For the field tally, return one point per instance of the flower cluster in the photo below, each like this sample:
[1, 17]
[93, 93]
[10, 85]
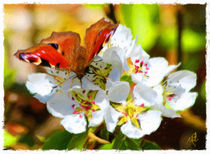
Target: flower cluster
[122, 87]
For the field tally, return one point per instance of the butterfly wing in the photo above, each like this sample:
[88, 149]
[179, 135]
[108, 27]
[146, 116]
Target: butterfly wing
[96, 35]
[60, 50]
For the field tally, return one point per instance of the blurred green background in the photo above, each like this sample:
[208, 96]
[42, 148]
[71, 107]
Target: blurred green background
[176, 32]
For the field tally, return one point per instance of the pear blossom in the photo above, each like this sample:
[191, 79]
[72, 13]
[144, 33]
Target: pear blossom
[150, 71]
[136, 117]
[100, 95]
[175, 96]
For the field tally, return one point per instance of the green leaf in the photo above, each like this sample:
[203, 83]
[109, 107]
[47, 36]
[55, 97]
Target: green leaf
[106, 146]
[9, 139]
[59, 141]
[150, 146]
[133, 144]
[77, 141]
[104, 134]
[118, 141]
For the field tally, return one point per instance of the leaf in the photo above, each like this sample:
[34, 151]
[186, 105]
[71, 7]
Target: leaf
[77, 141]
[134, 144]
[118, 141]
[150, 146]
[59, 141]
[9, 139]
[104, 134]
[106, 146]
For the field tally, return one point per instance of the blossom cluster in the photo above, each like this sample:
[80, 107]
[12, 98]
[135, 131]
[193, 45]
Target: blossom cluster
[123, 87]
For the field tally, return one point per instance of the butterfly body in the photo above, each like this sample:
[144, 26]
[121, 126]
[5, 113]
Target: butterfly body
[62, 50]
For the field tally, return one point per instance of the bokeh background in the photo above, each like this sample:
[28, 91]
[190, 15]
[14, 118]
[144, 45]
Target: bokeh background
[176, 32]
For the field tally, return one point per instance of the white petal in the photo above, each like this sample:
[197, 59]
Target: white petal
[97, 118]
[114, 74]
[138, 53]
[111, 117]
[71, 83]
[185, 101]
[159, 90]
[131, 131]
[150, 121]
[45, 98]
[158, 70]
[116, 57]
[144, 95]
[169, 112]
[40, 83]
[101, 99]
[87, 84]
[74, 123]
[60, 105]
[185, 79]
[119, 92]
[136, 78]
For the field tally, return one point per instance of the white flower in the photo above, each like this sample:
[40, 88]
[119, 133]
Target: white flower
[134, 116]
[85, 103]
[174, 95]
[149, 71]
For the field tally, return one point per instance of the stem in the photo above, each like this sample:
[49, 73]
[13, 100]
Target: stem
[94, 137]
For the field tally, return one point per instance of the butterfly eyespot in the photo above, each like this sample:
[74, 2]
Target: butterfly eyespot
[54, 45]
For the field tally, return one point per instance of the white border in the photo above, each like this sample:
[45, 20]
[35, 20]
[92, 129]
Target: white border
[2, 2]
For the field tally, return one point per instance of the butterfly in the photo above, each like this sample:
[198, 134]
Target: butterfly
[62, 50]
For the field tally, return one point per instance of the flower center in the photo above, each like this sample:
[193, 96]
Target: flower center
[86, 102]
[168, 95]
[130, 111]
[139, 67]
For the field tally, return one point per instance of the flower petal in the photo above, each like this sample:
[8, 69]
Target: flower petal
[60, 105]
[158, 70]
[87, 84]
[119, 92]
[111, 117]
[150, 121]
[41, 84]
[131, 131]
[101, 99]
[144, 94]
[97, 118]
[185, 79]
[169, 112]
[74, 123]
[185, 101]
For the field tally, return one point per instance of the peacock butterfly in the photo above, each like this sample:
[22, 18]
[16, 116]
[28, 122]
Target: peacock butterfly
[62, 50]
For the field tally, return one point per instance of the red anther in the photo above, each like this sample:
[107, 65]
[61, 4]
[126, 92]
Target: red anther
[83, 91]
